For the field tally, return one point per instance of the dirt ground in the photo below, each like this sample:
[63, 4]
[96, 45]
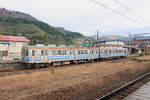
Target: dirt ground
[75, 82]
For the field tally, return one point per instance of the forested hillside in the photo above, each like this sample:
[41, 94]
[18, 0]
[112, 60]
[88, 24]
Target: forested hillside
[20, 24]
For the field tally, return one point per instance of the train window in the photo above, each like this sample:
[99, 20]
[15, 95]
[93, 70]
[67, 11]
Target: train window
[71, 52]
[96, 51]
[65, 52]
[59, 52]
[45, 53]
[79, 52]
[27, 53]
[22, 52]
[92, 52]
[53, 52]
[82, 51]
[42, 52]
[125, 51]
[116, 51]
[33, 52]
[120, 51]
[105, 51]
[86, 51]
[101, 51]
[62, 52]
[3, 53]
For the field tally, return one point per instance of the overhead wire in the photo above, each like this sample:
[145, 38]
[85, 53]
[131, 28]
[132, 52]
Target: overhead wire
[119, 13]
[131, 11]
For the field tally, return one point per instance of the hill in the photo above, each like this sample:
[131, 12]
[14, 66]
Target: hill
[21, 24]
[73, 35]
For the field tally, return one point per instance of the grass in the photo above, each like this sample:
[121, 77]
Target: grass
[96, 74]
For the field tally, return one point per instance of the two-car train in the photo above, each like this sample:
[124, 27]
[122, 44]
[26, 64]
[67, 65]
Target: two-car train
[40, 54]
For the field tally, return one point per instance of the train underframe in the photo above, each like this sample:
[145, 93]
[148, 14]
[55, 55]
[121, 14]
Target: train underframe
[69, 62]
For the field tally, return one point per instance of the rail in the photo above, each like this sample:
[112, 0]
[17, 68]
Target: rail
[109, 95]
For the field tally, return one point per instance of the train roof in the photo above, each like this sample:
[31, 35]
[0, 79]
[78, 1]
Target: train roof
[41, 46]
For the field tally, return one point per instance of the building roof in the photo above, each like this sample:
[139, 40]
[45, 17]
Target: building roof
[111, 45]
[110, 41]
[14, 38]
[142, 40]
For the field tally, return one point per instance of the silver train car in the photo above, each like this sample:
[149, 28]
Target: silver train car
[45, 55]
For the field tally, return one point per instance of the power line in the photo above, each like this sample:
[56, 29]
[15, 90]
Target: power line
[131, 11]
[119, 13]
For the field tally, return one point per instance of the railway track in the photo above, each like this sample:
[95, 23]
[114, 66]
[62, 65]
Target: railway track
[124, 91]
[31, 70]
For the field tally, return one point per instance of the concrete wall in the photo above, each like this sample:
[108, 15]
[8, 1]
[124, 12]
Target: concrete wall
[6, 66]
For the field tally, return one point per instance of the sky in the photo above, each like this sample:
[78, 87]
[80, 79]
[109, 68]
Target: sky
[85, 16]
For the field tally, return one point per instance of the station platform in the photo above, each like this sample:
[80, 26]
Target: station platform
[143, 93]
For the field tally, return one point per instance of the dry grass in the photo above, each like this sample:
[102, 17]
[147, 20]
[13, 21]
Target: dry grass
[96, 74]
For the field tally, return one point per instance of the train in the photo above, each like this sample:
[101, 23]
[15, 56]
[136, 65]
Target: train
[40, 55]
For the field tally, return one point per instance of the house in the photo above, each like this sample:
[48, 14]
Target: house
[11, 47]
[115, 43]
[141, 42]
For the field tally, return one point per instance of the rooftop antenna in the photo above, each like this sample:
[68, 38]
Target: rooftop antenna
[129, 42]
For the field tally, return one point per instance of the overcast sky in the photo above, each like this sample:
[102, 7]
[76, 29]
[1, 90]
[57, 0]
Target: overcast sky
[85, 16]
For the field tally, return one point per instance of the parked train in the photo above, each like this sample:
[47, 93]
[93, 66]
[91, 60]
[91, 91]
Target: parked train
[40, 54]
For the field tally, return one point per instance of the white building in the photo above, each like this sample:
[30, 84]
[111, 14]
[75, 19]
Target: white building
[11, 47]
[115, 42]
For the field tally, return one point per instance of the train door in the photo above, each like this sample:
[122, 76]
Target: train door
[72, 54]
[45, 55]
[37, 57]
[92, 53]
[99, 53]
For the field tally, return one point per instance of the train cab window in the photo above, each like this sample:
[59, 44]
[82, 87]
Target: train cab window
[27, 53]
[33, 52]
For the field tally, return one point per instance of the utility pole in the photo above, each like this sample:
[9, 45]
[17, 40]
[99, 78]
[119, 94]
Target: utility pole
[129, 42]
[97, 35]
